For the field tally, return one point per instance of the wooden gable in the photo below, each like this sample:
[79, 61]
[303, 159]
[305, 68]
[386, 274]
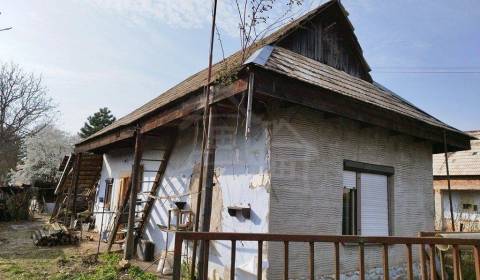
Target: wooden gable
[328, 37]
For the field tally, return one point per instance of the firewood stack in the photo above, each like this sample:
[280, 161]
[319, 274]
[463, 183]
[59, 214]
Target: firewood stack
[56, 235]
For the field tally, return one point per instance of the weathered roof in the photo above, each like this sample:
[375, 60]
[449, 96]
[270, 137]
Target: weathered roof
[308, 70]
[462, 163]
[199, 80]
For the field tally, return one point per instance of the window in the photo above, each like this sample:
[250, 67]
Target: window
[108, 192]
[349, 221]
[365, 203]
[466, 206]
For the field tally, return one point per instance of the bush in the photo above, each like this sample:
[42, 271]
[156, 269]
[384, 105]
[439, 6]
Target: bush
[18, 206]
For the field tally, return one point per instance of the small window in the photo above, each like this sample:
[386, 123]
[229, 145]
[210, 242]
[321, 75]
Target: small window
[475, 208]
[108, 192]
[467, 206]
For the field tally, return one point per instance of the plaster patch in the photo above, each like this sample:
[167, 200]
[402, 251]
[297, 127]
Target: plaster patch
[261, 180]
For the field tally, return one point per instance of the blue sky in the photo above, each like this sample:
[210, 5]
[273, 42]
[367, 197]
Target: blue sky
[122, 53]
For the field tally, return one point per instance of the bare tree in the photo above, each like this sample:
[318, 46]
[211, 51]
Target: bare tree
[24, 110]
[258, 17]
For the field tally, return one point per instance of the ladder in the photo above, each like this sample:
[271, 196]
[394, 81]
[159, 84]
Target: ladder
[145, 199]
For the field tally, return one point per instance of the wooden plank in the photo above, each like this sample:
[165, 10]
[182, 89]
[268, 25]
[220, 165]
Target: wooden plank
[137, 156]
[281, 87]
[337, 260]
[386, 272]
[177, 258]
[158, 181]
[423, 263]
[90, 145]
[476, 258]
[259, 260]
[164, 116]
[361, 260]
[409, 262]
[311, 261]
[391, 240]
[456, 262]
[206, 245]
[442, 265]
[233, 254]
[285, 260]
[433, 267]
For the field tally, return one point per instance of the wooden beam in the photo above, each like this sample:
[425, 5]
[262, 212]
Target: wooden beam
[284, 88]
[129, 244]
[165, 116]
[90, 145]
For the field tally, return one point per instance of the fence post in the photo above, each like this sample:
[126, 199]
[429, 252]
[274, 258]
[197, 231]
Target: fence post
[476, 257]
[177, 257]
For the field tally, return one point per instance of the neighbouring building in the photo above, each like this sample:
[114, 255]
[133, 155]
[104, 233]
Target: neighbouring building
[464, 167]
[322, 149]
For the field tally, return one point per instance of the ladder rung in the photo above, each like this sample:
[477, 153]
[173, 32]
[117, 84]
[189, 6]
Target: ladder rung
[148, 181]
[150, 159]
[150, 171]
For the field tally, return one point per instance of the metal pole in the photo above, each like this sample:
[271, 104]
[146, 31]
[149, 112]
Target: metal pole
[129, 245]
[448, 179]
[206, 126]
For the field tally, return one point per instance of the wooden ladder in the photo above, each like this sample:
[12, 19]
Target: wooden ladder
[144, 211]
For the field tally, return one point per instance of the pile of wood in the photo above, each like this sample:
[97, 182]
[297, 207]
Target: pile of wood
[56, 235]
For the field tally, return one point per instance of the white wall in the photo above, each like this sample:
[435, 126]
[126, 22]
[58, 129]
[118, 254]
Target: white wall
[458, 199]
[242, 178]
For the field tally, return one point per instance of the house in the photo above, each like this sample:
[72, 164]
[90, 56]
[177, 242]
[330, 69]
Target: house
[305, 142]
[464, 171]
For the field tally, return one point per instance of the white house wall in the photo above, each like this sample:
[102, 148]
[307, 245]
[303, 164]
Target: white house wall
[242, 178]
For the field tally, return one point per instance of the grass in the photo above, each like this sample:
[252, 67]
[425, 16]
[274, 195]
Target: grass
[73, 268]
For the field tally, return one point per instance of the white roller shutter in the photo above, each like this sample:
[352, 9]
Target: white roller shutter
[374, 204]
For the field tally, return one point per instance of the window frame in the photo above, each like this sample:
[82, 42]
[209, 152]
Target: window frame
[107, 197]
[362, 167]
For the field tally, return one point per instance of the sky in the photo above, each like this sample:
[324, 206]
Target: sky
[123, 53]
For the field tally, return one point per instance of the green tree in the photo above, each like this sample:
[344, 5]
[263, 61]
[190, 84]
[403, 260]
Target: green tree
[97, 121]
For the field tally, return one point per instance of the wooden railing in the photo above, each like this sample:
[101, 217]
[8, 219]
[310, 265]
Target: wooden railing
[335, 240]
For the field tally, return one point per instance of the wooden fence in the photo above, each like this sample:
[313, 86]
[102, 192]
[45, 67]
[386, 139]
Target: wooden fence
[360, 241]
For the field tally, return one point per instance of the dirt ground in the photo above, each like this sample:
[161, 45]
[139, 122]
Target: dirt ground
[20, 259]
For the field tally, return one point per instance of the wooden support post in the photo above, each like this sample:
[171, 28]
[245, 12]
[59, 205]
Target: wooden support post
[476, 258]
[232, 259]
[208, 181]
[311, 261]
[337, 261]
[361, 257]
[433, 267]
[452, 220]
[78, 161]
[206, 246]
[423, 262]
[285, 260]
[443, 275]
[137, 157]
[259, 260]
[71, 196]
[409, 262]
[456, 262]
[177, 258]
[385, 262]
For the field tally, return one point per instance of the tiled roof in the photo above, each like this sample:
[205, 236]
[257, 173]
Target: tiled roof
[463, 163]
